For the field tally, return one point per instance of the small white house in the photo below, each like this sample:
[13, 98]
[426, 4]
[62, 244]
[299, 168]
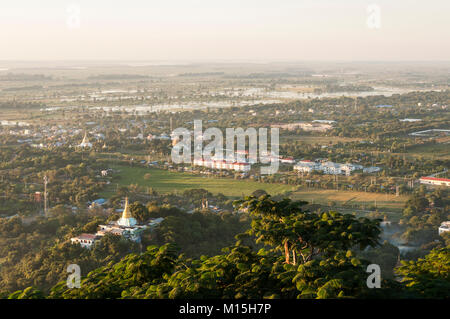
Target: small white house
[85, 240]
[306, 166]
[445, 227]
[287, 160]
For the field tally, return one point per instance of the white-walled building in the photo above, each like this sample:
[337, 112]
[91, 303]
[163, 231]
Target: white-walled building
[126, 226]
[331, 168]
[221, 164]
[445, 227]
[85, 240]
[435, 181]
[287, 160]
[306, 166]
[371, 169]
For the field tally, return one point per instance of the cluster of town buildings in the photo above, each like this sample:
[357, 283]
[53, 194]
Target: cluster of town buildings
[327, 167]
[126, 227]
[243, 162]
[59, 135]
[304, 166]
[55, 136]
[315, 126]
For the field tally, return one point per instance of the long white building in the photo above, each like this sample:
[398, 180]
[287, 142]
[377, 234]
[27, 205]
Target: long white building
[221, 164]
[435, 181]
[331, 168]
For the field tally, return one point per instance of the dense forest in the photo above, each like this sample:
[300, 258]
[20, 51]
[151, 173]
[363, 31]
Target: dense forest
[304, 255]
[36, 252]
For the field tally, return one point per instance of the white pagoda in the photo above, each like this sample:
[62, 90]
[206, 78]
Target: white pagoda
[127, 219]
[125, 226]
[85, 143]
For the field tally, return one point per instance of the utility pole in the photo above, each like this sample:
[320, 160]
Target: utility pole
[45, 194]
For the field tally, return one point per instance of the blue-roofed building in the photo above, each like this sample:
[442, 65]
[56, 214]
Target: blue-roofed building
[98, 202]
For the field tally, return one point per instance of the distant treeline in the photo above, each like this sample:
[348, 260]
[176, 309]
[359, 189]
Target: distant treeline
[202, 74]
[71, 85]
[23, 88]
[20, 105]
[348, 88]
[268, 75]
[118, 76]
[24, 77]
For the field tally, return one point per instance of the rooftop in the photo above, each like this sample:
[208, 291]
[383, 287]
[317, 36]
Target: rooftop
[436, 179]
[86, 236]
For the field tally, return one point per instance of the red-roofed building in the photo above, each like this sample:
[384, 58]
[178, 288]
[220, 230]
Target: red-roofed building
[435, 181]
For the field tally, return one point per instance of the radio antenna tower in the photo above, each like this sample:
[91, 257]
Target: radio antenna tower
[45, 194]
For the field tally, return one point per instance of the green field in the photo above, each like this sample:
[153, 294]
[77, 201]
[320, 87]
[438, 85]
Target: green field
[351, 199]
[439, 150]
[168, 182]
[165, 182]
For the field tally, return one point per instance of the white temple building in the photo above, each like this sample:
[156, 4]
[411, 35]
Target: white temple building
[126, 226]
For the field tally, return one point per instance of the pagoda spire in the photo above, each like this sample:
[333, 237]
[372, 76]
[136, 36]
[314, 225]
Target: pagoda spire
[85, 139]
[126, 211]
[127, 218]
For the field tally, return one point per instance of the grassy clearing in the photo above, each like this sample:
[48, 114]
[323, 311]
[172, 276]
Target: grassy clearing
[352, 199]
[431, 150]
[165, 182]
[12, 114]
[27, 115]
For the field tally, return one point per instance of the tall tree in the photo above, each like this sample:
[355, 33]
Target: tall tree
[285, 225]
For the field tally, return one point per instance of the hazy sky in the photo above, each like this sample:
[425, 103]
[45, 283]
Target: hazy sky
[228, 29]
